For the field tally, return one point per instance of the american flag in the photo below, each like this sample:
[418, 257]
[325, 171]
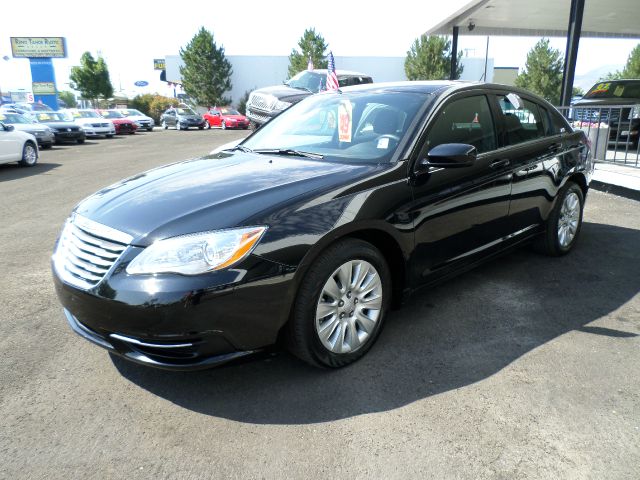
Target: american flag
[310, 63]
[332, 78]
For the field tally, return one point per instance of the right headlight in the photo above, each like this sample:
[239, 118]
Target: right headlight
[197, 253]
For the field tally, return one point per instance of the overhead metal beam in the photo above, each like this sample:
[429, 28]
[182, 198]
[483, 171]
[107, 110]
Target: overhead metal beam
[571, 54]
[454, 54]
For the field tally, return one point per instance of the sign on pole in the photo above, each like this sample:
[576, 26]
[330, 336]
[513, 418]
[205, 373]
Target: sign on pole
[38, 47]
[159, 64]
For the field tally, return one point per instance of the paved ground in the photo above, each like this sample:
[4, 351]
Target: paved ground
[527, 367]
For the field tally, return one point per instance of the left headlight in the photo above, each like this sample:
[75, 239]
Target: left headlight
[197, 253]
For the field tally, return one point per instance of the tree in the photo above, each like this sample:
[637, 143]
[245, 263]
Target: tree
[91, 78]
[577, 92]
[68, 98]
[429, 58]
[242, 103]
[152, 104]
[631, 68]
[206, 74]
[543, 71]
[312, 45]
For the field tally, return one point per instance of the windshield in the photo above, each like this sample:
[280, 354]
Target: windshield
[13, 118]
[353, 127]
[132, 113]
[51, 117]
[184, 111]
[111, 114]
[84, 114]
[310, 81]
[229, 111]
[614, 89]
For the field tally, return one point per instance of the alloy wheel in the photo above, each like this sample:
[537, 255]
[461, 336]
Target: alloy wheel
[349, 307]
[569, 219]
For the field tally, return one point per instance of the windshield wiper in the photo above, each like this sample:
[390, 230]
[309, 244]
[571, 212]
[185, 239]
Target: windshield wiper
[289, 151]
[242, 148]
[299, 88]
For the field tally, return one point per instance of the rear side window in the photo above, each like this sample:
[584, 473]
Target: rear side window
[467, 120]
[522, 119]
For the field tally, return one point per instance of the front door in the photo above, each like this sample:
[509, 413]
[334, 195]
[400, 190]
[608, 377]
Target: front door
[460, 213]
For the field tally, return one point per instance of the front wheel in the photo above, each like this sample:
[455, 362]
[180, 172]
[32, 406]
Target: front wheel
[80, 140]
[340, 305]
[109, 135]
[164, 125]
[29, 155]
[224, 126]
[564, 223]
[150, 129]
[207, 124]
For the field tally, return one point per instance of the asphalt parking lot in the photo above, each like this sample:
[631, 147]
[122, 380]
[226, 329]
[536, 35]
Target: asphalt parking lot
[524, 368]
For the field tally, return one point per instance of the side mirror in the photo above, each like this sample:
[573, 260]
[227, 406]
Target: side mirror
[449, 155]
[8, 128]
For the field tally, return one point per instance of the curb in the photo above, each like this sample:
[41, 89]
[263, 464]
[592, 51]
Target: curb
[625, 192]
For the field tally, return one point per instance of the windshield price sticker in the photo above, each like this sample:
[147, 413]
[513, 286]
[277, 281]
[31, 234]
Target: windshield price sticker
[345, 121]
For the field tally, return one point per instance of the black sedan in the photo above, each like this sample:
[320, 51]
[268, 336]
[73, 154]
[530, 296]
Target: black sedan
[64, 130]
[312, 228]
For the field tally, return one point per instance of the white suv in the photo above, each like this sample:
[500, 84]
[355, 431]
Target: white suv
[17, 146]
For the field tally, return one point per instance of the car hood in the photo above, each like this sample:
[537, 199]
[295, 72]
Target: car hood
[210, 193]
[29, 128]
[596, 102]
[285, 93]
[120, 121]
[57, 125]
[89, 120]
[190, 117]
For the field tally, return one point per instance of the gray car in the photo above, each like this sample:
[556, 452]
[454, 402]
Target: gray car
[44, 135]
[181, 118]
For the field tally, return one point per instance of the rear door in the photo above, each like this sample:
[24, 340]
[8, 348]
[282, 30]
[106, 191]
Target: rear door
[10, 145]
[460, 213]
[535, 152]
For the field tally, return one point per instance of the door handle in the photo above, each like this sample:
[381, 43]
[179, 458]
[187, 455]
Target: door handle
[500, 163]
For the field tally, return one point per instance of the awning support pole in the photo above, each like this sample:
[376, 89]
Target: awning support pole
[454, 54]
[571, 55]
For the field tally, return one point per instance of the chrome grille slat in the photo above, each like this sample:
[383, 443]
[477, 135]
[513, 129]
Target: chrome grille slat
[82, 258]
[100, 255]
[98, 242]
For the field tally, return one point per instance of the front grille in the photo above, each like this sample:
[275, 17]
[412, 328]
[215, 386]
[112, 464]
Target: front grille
[86, 251]
[262, 102]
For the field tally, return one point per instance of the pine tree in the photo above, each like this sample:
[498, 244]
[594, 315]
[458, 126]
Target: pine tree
[206, 74]
[312, 45]
[543, 71]
[429, 58]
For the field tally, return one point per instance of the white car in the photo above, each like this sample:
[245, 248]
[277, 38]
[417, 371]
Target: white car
[93, 124]
[17, 146]
[143, 122]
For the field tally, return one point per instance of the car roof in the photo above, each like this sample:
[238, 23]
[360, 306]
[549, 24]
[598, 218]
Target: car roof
[323, 71]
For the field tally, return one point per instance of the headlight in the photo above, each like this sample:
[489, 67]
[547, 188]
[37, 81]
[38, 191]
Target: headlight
[198, 252]
[279, 105]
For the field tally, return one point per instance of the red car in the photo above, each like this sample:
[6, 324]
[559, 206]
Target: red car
[225, 117]
[122, 123]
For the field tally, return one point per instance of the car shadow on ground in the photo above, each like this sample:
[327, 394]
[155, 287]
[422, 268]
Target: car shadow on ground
[14, 171]
[446, 337]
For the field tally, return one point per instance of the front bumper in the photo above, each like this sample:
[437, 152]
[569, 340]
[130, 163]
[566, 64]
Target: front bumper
[179, 322]
[72, 136]
[99, 131]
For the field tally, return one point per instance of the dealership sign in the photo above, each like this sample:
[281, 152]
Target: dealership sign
[158, 64]
[38, 47]
[141, 83]
[44, 88]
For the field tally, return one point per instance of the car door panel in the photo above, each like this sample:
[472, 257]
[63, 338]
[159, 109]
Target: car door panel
[460, 212]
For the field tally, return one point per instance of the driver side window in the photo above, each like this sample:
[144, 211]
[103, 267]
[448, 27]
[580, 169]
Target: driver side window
[467, 120]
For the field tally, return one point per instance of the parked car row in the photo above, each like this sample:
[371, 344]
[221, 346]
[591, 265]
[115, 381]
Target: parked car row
[183, 117]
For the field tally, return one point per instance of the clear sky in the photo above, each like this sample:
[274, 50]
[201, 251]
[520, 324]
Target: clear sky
[130, 35]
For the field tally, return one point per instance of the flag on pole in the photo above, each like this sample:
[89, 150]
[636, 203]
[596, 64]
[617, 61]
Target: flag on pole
[332, 78]
[310, 63]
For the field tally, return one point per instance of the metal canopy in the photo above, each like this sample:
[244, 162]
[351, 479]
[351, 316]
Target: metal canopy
[542, 18]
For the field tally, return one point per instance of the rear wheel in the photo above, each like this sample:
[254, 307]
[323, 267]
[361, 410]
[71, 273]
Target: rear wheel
[29, 155]
[564, 222]
[340, 306]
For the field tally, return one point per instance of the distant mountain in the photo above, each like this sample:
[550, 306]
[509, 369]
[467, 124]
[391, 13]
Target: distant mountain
[586, 81]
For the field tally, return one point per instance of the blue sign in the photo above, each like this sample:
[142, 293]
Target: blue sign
[42, 72]
[141, 83]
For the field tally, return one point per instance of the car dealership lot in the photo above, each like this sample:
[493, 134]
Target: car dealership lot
[526, 367]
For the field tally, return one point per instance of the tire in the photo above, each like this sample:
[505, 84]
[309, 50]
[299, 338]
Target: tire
[347, 330]
[80, 141]
[150, 129]
[46, 146]
[164, 125]
[201, 128]
[564, 223]
[109, 136]
[29, 155]
[207, 124]
[223, 125]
